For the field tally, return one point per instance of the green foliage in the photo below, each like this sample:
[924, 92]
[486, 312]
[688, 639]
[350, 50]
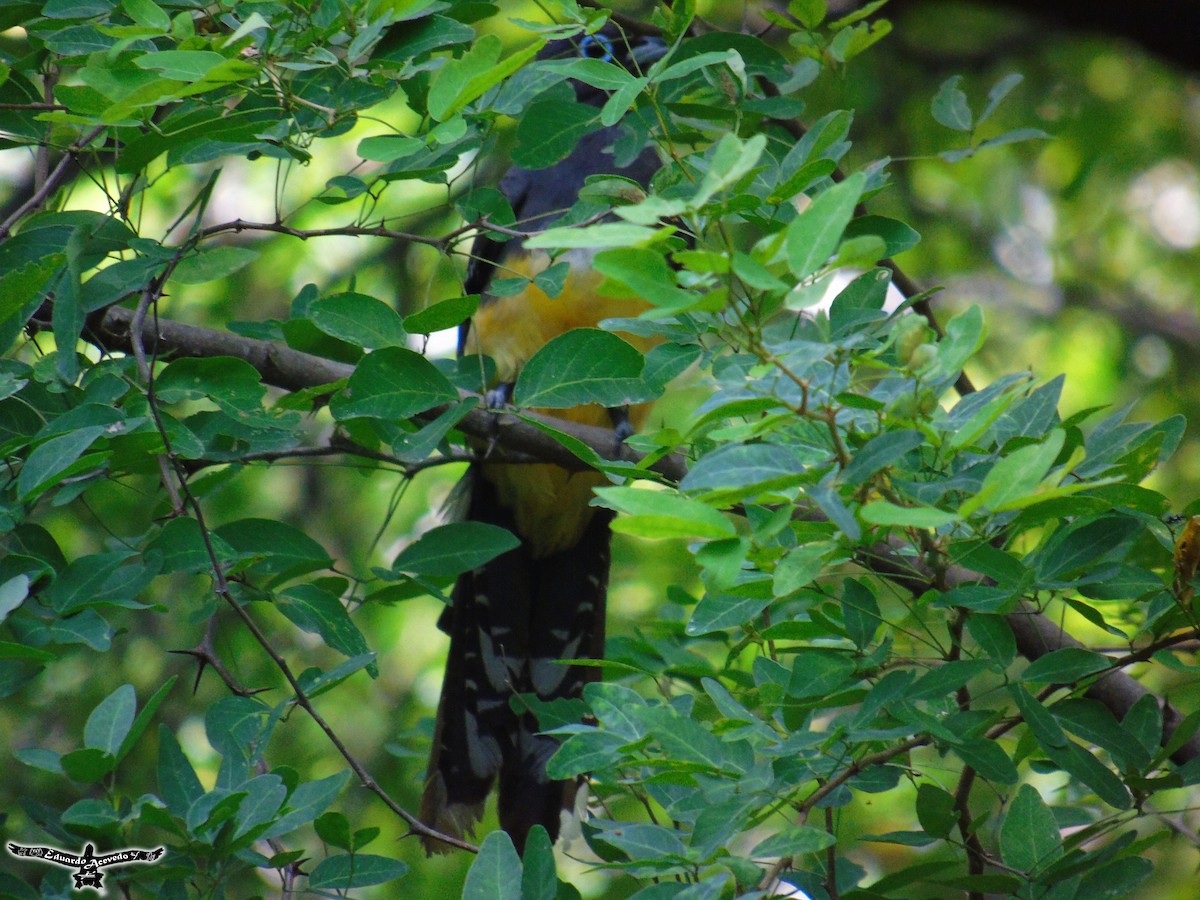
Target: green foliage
[865, 545]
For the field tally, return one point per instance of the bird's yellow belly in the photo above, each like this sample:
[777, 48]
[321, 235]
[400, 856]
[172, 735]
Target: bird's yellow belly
[550, 505]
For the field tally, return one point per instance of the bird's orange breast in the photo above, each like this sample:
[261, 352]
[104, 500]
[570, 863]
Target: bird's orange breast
[550, 504]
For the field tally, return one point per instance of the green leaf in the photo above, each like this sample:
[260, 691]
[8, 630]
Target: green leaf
[441, 315]
[539, 880]
[994, 636]
[421, 33]
[1085, 543]
[729, 161]
[723, 561]
[1065, 666]
[1039, 720]
[737, 470]
[882, 512]
[307, 802]
[810, 13]
[232, 383]
[1115, 879]
[793, 840]
[999, 91]
[882, 450]
[862, 300]
[264, 796]
[314, 682]
[643, 841]
[86, 627]
[964, 336]
[663, 514]
[10, 650]
[92, 815]
[988, 759]
[88, 765]
[831, 504]
[495, 874]
[358, 319]
[621, 99]
[275, 546]
[614, 706]
[387, 148]
[147, 14]
[1029, 836]
[1093, 722]
[950, 106]
[979, 598]
[83, 581]
[40, 758]
[860, 613]
[549, 130]
[665, 362]
[587, 751]
[181, 543]
[686, 740]
[212, 263]
[214, 809]
[646, 273]
[813, 236]
[585, 365]
[943, 680]
[110, 721]
[896, 235]
[449, 550]
[800, 566]
[600, 235]
[1085, 769]
[317, 611]
[935, 810]
[53, 458]
[687, 65]
[178, 785]
[1145, 722]
[181, 65]
[390, 384]
[716, 612]
[462, 80]
[817, 672]
[1016, 136]
[422, 443]
[345, 871]
[21, 290]
[142, 722]
[1011, 483]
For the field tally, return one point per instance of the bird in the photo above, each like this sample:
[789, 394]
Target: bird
[511, 620]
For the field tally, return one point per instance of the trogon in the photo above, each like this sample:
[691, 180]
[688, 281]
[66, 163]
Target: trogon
[512, 620]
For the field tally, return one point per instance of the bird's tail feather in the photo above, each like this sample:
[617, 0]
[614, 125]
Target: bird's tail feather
[510, 622]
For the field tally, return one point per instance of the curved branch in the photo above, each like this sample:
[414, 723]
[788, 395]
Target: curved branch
[294, 370]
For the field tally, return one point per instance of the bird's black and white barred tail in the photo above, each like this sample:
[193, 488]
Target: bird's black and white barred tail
[510, 623]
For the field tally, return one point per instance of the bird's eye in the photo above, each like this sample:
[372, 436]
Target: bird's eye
[596, 46]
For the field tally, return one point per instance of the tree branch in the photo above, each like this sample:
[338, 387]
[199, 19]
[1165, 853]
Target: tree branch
[1035, 636]
[294, 370]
